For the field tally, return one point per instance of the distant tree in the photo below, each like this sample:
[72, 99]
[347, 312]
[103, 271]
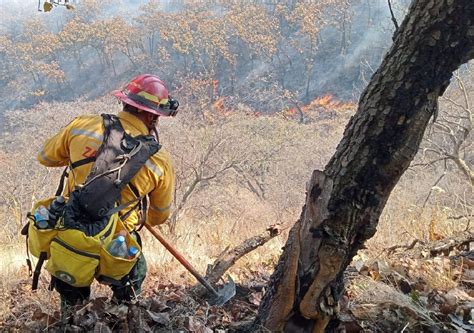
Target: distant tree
[120, 37]
[253, 35]
[33, 56]
[199, 37]
[254, 28]
[7, 72]
[310, 18]
[150, 21]
[92, 10]
[74, 39]
[344, 202]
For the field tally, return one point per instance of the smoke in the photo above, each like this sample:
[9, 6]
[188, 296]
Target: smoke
[346, 72]
[343, 62]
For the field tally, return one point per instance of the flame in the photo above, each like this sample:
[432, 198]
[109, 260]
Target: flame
[221, 107]
[322, 106]
[322, 101]
[219, 104]
[329, 103]
[325, 103]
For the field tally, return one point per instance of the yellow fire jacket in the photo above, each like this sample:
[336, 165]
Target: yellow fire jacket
[83, 137]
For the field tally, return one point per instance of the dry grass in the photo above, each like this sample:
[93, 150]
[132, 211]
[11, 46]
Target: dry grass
[405, 218]
[372, 301]
[276, 156]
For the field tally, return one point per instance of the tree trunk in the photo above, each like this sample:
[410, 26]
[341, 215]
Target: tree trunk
[344, 202]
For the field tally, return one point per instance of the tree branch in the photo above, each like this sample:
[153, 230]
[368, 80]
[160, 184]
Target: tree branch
[392, 249]
[432, 187]
[394, 20]
[228, 258]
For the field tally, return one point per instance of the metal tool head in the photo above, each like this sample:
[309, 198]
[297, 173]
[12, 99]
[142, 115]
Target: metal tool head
[224, 293]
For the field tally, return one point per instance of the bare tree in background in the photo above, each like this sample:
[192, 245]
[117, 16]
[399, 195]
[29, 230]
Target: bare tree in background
[450, 138]
[344, 202]
[448, 149]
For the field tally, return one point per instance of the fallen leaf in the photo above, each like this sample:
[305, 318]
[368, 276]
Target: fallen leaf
[119, 311]
[162, 318]
[158, 306]
[175, 297]
[468, 262]
[43, 318]
[193, 324]
[101, 327]
[255, 298]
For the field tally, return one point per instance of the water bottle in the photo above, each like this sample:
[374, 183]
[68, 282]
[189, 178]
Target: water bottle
[132, 252]
[118, 247]
[56, 208]
[42, 217]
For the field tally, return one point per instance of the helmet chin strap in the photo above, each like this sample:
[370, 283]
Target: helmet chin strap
[153, 129]
[154, 121]
[154, 132]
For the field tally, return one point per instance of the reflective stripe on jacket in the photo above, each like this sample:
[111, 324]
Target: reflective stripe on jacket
[81, 139]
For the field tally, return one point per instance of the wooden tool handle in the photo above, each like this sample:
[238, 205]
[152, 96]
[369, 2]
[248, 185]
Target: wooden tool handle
[181, 259]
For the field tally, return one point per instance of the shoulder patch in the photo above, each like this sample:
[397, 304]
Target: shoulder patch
[153, 167]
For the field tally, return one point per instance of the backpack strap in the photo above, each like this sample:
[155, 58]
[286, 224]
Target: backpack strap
[122, 207]
[37, 272]
[65, 173]
[74, 165]
[144, 213]
[141, 204]
[60, 188]
[24, 232]
[135, 191]
[82, 162]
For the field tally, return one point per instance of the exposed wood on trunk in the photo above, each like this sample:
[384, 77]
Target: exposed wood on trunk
[344, 202]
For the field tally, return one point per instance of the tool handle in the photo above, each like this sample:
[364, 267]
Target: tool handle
[181, 259]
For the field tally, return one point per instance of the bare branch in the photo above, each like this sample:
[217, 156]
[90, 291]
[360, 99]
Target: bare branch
[434, 185]
[392, 249]
[430, 163]
[227, 258]
[394, 20]
[459, 217]
[218, 172]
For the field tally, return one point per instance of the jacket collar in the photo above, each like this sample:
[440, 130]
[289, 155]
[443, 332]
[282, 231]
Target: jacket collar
[134, 121]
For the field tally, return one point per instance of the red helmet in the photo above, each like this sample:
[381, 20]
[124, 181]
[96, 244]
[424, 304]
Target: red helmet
[148, 93]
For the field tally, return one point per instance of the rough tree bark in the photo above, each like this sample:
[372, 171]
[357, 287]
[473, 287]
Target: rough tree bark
[344, 202]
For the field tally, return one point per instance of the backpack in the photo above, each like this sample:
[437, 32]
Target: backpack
[75, 247]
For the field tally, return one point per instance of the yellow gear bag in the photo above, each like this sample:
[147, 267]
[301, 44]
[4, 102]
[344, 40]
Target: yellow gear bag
[76, 258]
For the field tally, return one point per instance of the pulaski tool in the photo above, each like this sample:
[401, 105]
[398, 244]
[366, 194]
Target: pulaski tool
[219, 296]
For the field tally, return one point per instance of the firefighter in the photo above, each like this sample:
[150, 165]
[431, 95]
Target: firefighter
[144, 100]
